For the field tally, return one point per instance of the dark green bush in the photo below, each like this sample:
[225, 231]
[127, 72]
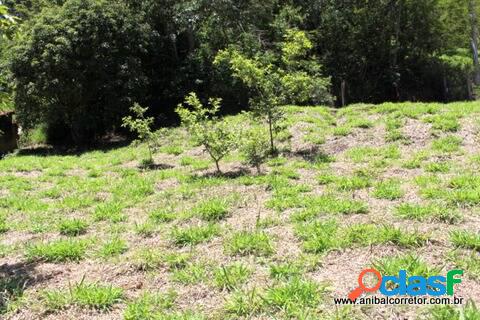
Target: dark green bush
[80, 67]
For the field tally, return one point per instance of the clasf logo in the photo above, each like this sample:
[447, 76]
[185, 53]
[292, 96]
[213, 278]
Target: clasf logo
[401, 285]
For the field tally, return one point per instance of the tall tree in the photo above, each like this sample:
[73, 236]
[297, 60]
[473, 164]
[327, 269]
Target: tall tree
[380, 50]
[88, 67]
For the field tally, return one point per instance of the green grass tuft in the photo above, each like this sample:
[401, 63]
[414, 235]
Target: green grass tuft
[113, 248]
[409, 262]
[432, 213]
[249, 243]
[190, 274]
[352, 183]
[444, 122]
[162, 215]
[194, 235]
[92, 296]
[323, 236]
[73, 227]
[342, 131]
[57, 251]
[388, 189]
[287, 270]
[467, 312]
[294, 298]
[109, 211]
[212, 210]
[150, 306]
[465, 239]
[231, 276]
[448, 144]
[244, 303]
[96, 296]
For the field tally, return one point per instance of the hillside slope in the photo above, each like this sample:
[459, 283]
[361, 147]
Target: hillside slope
[394, 186]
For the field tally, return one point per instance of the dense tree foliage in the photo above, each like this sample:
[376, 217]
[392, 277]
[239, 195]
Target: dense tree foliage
[157, 51]
[289, 76]
[80, 67]
[8, 23]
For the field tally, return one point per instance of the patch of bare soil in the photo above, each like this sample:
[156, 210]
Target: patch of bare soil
[166, 184]
[418, 133]
[372, 137]
[286, 243]
[340, 269]
[469, 133]
[74, 313]
[197, 152]
[15, 238]
[297, 142]
[77, 172]
[28, 174]
[250, 209]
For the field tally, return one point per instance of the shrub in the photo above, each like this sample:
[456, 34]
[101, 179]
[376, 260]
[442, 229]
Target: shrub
[290, 76]
[215, 135]
[255, 147]
[141, 125]
[79, 67]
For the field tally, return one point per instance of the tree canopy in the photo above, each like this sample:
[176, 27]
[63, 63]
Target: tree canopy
[80, 67]
[92, 58]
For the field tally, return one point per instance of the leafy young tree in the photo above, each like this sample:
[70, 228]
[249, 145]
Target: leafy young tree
[216, 135]
[142, 126]
[301, 77]
[265, 83]
[255, 147]
[288, 77]
[79, 67]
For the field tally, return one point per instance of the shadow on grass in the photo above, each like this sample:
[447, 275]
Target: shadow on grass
[15, 278]
[47, 150]
[232, 174]
[313, 155]
[154, 166]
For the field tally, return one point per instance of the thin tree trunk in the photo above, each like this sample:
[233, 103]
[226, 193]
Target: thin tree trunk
[173, 39]
[445, 87]
[343, 88]
[469, 88]
[270, 129]
[150, 153]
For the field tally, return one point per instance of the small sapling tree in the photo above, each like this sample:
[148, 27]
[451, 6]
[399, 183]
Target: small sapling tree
[255, 147]
[142, 127]
[265, 85]
[291, 76]
[218, 137]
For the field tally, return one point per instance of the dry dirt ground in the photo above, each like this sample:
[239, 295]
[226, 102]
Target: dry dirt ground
[394, 186]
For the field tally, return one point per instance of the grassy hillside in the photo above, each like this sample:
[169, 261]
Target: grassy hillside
[393, 186]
